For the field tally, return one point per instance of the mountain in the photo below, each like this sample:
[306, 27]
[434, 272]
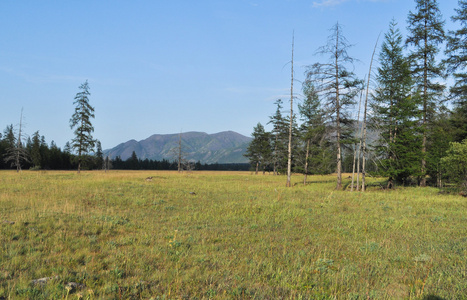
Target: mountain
[222, 147]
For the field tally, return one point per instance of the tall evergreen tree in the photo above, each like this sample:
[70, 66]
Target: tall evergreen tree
[45, 154]
[56, 161]
[133, 162]
[83, 141]
[441, 134]
[35, 151]
[395, 113]
[337, 86]
[456, 61]
[279, 139]
[259, 150]
[426, 33]
[313, 133]
[99, 156]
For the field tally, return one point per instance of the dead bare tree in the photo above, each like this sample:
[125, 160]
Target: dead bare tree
[364, 119]
[16, 154]
[356, 149]
[337, 86]
[289, 157]
[179, 156]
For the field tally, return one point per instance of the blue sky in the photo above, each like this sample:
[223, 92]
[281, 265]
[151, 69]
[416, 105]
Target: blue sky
[170, 66]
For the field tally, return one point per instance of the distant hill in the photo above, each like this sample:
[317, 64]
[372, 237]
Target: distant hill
[222, 147]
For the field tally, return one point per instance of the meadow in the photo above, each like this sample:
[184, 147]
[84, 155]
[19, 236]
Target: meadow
[225, 235]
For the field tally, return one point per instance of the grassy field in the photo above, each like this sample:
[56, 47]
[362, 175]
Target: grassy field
[225, 235]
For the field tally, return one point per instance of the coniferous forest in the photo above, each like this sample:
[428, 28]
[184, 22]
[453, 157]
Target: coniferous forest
[406, 120]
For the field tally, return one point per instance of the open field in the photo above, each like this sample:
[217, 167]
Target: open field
[242, 236]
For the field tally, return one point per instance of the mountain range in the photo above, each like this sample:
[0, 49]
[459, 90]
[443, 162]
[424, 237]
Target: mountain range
[223, 147]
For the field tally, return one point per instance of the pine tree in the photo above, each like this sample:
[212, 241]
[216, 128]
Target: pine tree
[259, 150]
[456, 51]
[395, 113]
[133, 162]
[426, 33]
[313, 133]
[36, 150]
[441, 134]
[279, 139]
[99, 156]
[337, 86]
[83, 141]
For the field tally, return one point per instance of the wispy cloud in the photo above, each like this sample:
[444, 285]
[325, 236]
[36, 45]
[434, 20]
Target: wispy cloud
[327, 3]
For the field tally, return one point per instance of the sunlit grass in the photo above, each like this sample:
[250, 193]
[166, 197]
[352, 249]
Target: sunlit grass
[225, 235]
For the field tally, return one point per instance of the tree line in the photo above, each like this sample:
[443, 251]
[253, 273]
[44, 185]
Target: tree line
[36, 154]
[418, 122]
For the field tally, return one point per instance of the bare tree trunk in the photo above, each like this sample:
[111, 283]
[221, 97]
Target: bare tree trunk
[19, 145]
[289, 157]
[358, 159]
[257, 167]
[275, 155]
[355, 145]
[338, 125]
[306, 160]
[180, 153]
[364, 120]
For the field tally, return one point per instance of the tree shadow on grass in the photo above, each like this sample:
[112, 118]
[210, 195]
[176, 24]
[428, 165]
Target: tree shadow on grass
[432, 297]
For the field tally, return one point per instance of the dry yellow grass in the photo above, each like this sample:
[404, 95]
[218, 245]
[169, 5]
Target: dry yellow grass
[225, 235]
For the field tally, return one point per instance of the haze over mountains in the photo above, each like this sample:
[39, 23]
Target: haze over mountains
[223, 147]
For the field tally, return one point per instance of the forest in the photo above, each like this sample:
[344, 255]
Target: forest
[405, 121]
[38, 155]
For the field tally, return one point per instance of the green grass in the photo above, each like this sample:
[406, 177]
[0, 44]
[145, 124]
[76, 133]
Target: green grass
[240, 236]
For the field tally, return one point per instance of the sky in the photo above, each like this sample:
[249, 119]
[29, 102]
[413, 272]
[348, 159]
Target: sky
[164, 67]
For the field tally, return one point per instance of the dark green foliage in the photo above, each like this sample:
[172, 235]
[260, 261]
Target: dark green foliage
[35, 150]
[39, 155]
[280, 139]
[455, 163]
[396, 113]
[259, 151]
[7, 141]
[313, 135]
[133, 161]
[456, 61]
[441, 134]
[83, 141]
[426, 33]
[99, 157]
[16, 155]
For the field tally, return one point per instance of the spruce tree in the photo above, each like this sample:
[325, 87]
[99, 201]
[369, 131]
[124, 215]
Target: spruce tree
[396, 113]
[99, 156]
[83, 141]
[313, 133]
[35, 151]
[456, 61]
[337, 86]
[426, 33]
[259, 150]
[279, 139]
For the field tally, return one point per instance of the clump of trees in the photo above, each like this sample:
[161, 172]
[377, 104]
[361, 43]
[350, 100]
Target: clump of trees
[417, 124]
